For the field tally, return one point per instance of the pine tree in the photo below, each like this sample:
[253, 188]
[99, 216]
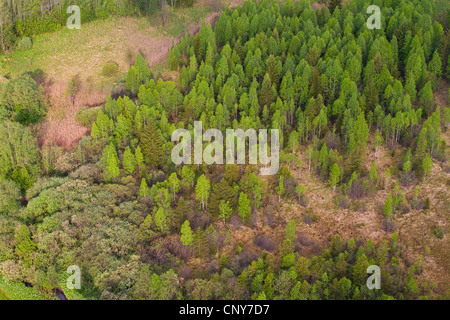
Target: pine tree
[426, 98]
[174, 183]
[139, 158]
[373, 173]
[225, 210]
[388, 207]
[202, 191]
[129, 162]
[435, 66]
[132, 81]
[300, 190]
[280, 188]
[273, 71]
[309, 156]
[333, 4]
[143, 190]
[334, 176]
[244, 208]
[266, 96]
[427, 164]
[152, 143]
[221, 191]
[187, 237]
[378, 142]
[188, 177]
[110, 163]
[359, 274]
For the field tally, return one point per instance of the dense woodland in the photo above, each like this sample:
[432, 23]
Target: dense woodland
[141, 227]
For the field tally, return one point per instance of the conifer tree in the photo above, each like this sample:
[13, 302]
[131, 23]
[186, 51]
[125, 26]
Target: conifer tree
[187, 237]
[373, 176]
[427, 164]
[139, 158]
[202, 191]
[273, 70]
[300, 190]
[129, 162]
[266, 95]
[110, 163]
[188, 177]
[388, 207]
[174, 183]
[225, 210]
[280, 188]
[143, 190]
[244, 208]
[334, 176]
[152, 143]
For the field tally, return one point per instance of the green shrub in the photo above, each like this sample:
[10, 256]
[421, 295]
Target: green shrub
[25, 44]
[87, 116]
[439, 232]
[110, 69]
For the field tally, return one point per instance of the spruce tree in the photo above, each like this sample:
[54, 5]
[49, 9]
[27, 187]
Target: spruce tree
[244, 208]
[187, 237]
[273, 71]
[143, 190]
[152, 143]
[202, 191]
[266, 95]
[334, 176]
[129, 162]
[225, 210]
[174, 183]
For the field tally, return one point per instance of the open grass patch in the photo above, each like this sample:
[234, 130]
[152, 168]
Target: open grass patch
[12, 290]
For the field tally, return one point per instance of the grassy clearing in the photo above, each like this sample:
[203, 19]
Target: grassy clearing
[18, 291]
[65, 53]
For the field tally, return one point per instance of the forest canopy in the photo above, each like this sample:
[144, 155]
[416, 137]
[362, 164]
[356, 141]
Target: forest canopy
[141, 227]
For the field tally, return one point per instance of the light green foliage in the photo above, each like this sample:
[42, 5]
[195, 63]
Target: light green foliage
[188, 177]
[427, 164]
[300, 190]
[129, 162]
[19, 155]
[110, 163]
[22, 100]
[388, 207]
[373, 175]
[291, 231]
[225, 210]
[187, 237]
[335, 175]
[202, 191]
[280, 188]
[244, 207]
[143, 190]
[139, 158]
[110, 69]
[9, 197]
[174, 183]
[24, 44]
